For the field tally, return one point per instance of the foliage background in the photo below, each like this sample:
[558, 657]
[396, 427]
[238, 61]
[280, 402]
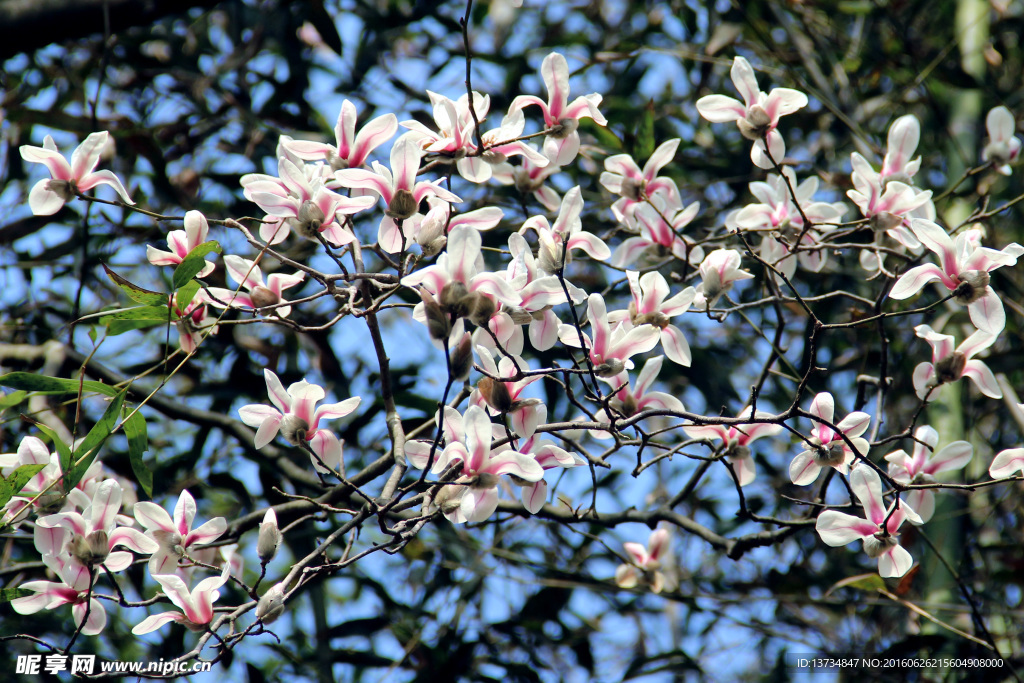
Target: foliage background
[195, 98]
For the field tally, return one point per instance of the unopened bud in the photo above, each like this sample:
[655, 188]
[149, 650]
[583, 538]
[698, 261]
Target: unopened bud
[431, 236]
[481, 309]
[877, 545]
[973, 286]
[438, 323]
[403, 205]
[455, 299]
[263, 296]
[756, 124]
[293, 429]
[520, 316]
[564, 129]
[496, 394]
[462, 358]
[951, 368]
[271, 605]
[485, 480]
[91, 549]
[269, 538]
[309, 220]
[885, 220]
[610, 368]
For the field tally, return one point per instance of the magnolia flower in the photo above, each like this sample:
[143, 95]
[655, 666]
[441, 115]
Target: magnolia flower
[351, 150]
[719, 270]
[924, 464]
[191, 321]
[1003, 148]
[736, 441]
[757, 116]
[965, 272]
[66, 179]
[176, 536]
[878, 531]
[660, 228]
[826, 446]
[557, 241]
[297, 420]
[904, 135]
[1007, 462]
[89, 537]
[479, 168]
[196, 606]
[32, 451]
[645, 563]
[538, 292]
[623, 177]
[398, 188]
[500, 396]
[260, 293]
[182, 242]
[611, 348]
[529, 178]
[631, 400]
[454, 137]
[549, 456]
[949, 365]
[561, 117]
[890, 205]
[73, 589]
[652, 305]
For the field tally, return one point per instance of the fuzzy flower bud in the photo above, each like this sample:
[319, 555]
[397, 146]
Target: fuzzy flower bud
[271, 605]
[403, 205]
[496, 394]
[269, 538]
[462, 358]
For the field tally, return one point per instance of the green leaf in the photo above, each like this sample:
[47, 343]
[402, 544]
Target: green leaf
[645, 133]
[186, 294]
[12, 399]
[193, 263]
[86, 452]
[865, 582]
[116, 327]
[12, 485]
[138, 444]
[134, 292]
[161, 313]
[8, 594]
[63, 451]
[28, 381]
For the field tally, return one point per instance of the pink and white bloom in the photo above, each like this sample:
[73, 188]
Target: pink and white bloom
[949, 364]
[398, 188]
[561, 116]
[298, 420]
[351, 149]
[904, 136]
[49, 196]
[73, 589]
[880, 537]
[175, 536]
[631, 400]
[1007, 462]
[89, 537]
[529, 179]
[757, 116]
[182, 242]
[736, 440]
[924, 464]
[645, 563]
[890, 204]
[500, 144]
[196, 606]
[259, 294]
[623, 177]
[964, 272]
[718, 271]
[549, 456]
[652, 305]
[826, 446]
[660, 227]
[1003, 147]
[192, 321]
[556, 242]
[611, 348]
[306, 204]
[32, 451]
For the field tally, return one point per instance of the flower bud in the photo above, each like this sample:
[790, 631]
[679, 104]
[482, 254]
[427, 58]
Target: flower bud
[271, 605]
[633, 189]
[310, 220]
[831, 455]
[496, 394]
[438, 323]
[462, 358]
[884, 220]
[91, 549]
[951, 368]
[877, 545]
[455, 299]
[431, 236]
[293, 429]
[269, 538]
[564, 129]
[263, 296]
[481, 309]
[403, 205]
[756, 124]
[609, 368]
[973, 285]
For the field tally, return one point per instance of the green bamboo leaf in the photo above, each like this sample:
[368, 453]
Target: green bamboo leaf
[116, 327]
[138, 444]
[86, 452]
[28, 381]
[186, 294]
[12, 399]
[161, 313]
[12, 485]
[134, 292]
[193, 263]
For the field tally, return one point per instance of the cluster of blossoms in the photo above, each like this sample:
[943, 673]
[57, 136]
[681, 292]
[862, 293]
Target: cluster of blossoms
[495, 442]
